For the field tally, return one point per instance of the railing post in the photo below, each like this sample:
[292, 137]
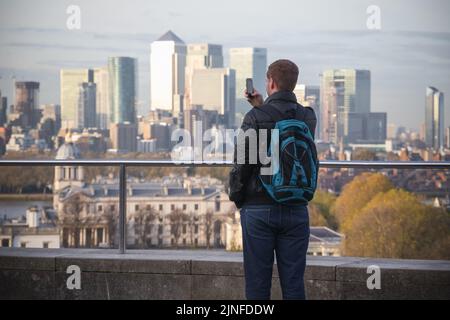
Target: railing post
[122, 208]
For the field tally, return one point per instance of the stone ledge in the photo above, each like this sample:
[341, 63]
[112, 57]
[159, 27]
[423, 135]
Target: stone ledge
[204, 274]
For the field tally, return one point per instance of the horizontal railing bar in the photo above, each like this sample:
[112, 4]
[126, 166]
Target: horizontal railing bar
[171, 163]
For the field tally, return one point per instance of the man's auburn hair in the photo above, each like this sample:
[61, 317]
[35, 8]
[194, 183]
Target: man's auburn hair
[284, 73]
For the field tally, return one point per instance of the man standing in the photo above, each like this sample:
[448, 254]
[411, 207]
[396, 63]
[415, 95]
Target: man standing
[270, 226]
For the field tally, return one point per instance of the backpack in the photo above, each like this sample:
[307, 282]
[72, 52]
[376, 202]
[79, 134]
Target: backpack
[294, 179]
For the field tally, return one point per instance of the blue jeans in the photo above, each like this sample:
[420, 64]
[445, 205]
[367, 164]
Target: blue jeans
[274, 228]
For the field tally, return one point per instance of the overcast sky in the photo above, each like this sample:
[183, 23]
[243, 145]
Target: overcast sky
[410, 52]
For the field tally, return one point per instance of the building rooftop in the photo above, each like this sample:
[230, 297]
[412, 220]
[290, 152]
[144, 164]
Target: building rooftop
[68, 151]
[170, 36]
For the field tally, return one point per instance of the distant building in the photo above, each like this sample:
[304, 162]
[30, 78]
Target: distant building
[103, 111]
[3, 110]
[19, 142]
[165, 212]
[200, 56]
[391, 131]
[324, 242]
[160, 132]
[447, 139]
[123, 137]
[37, 230]
[167, 73]
[309, 96]
[343, 93]
[70, 84]
[197, 113]
[53, 112]
[215, 90]
[248, 63]
[434, 118]
[86, 113]
[146, 146]
[122, 89]
[26, 113]
[375, 127]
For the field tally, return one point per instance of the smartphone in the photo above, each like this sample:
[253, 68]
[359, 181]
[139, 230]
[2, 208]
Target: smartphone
[249, 86]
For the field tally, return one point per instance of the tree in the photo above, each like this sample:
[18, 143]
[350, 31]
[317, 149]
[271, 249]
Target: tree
[364, 154]
[395, 224]
[208, 220]
[112, 223]
[356, 194]
[321, 210]
[143, 221]
[177, 219]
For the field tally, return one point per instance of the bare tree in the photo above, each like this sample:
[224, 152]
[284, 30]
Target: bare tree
[143, 220]
[208, 227]
[177, 220]
[111, 219]
[192, 223]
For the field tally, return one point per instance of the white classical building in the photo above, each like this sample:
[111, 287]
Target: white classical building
[163, 212]
[36, 229]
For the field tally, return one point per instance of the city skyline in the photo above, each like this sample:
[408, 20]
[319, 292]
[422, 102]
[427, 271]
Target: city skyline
[408, 54]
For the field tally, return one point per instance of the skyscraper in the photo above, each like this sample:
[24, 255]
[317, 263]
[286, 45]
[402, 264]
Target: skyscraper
[124, 136]
[248, 63]
[215, 89]
[70, 83]
[3, 110]
[53, 112]
[86, 115]
[447, 137]
[167, 73]
[102, 98]
[200, 56]
[343, 91]
[122, 89]
[434, 118]
[309, 96]
[26, 105]
[300, 93]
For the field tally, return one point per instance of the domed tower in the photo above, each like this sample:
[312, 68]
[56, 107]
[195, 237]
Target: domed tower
[68, 175]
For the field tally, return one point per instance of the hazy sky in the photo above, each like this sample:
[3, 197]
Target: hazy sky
[410, 52]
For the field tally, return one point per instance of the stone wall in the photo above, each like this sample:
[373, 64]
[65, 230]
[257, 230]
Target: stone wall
[202, 274]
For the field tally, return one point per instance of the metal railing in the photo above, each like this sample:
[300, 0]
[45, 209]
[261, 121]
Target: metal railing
[123, 164]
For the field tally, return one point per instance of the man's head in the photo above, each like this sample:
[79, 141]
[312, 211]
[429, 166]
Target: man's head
[281, 75]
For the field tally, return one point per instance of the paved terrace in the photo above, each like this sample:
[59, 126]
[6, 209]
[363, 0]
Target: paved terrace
[203, 274]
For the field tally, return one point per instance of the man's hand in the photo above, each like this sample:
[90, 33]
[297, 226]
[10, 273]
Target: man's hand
[255, 99]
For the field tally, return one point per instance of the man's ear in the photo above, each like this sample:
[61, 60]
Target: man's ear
[272, 84]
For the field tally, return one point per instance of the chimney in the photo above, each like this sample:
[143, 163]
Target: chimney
[32, 217]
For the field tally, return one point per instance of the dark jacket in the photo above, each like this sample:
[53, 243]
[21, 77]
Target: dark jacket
[245, 186]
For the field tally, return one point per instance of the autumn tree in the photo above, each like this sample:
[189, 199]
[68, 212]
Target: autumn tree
[321, 210]
[356, 194]
[364, 154]
[395, 224]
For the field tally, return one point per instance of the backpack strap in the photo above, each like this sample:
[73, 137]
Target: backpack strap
[297, 112]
